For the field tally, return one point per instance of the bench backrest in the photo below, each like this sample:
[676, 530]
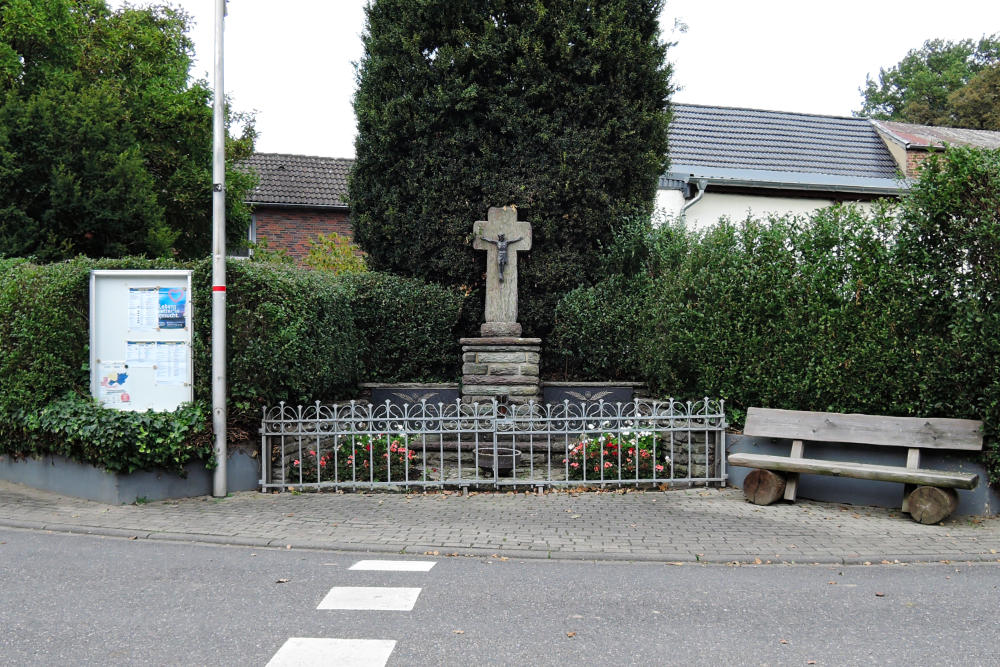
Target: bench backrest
[865, 429]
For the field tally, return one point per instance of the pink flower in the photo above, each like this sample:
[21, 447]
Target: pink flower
[312, 452]
[607, 464]
[574, 464]
[565, 460]
[659, 468]
[296, 461]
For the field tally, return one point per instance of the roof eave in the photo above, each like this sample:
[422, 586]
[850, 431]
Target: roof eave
[272, 204]
[803, 181]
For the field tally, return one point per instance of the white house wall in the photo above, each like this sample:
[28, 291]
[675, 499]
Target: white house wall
[736, 207]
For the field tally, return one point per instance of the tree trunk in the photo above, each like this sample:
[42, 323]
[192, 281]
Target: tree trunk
[763, 487]
[929, 504]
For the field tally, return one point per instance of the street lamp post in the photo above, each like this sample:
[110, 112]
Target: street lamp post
[219, 481]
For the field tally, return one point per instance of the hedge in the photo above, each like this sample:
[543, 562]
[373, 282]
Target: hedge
[294, 335]
[890, 312]
[408, 329]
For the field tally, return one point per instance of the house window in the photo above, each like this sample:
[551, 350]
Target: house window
[242, 250]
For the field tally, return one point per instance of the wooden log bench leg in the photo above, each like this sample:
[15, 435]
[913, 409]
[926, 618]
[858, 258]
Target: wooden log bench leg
[763, 487]
[792, 481]
[930, 504]
[912, 462]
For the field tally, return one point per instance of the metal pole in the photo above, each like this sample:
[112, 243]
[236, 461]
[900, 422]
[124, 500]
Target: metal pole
[219, 261]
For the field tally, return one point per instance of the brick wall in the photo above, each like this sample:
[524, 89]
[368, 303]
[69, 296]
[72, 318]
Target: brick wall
[293, 228]
[913, 160]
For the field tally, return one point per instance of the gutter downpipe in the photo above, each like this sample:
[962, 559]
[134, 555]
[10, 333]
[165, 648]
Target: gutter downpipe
[702, 184]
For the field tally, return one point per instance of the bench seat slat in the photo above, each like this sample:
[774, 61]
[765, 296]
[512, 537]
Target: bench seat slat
[919, 476]
[936, 433]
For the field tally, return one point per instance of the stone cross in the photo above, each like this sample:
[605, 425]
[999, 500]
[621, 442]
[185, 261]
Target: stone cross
[501, 294]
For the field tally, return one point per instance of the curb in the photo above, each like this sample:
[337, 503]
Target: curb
[478, 552]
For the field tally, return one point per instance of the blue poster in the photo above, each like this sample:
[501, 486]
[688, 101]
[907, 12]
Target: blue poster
[173, 304]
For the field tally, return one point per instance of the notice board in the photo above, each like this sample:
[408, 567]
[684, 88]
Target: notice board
[140, 339]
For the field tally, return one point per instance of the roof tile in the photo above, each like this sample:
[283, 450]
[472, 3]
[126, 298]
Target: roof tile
[300, 180]
[778, 141]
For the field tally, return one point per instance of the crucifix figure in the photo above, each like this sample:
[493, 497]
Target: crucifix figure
[492, 236]
[501, 243]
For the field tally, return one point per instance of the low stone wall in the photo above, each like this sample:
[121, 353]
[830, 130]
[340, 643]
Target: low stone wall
[81, 480]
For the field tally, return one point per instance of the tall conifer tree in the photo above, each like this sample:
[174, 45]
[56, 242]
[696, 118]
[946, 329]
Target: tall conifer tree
[559, 107]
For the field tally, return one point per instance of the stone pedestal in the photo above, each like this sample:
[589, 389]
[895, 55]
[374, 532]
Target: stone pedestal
[505, 368]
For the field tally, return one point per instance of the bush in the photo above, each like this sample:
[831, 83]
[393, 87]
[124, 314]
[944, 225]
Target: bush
[45, 407]
[891, 312]
[407, 329]
[334, 253]
[78, 428]
[597, 331]
[292, 337]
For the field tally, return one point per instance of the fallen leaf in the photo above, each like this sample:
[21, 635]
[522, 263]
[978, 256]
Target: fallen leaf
[810, 662]
[282, 581]
[783, 641]
[133, 537]
[757, 561]
[292, 514]
[674, 562]
[832, 583]
[571, 634]
[459, 632]
[880, 595]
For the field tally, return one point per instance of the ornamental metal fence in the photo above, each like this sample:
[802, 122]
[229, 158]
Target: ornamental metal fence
[492, 445]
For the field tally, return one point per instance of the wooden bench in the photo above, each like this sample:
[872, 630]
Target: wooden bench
[929, 495]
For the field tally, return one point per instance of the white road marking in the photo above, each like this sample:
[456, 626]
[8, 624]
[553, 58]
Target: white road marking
[314, 652]
[394, 565]
[373, 598]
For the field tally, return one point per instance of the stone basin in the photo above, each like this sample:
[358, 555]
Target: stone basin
[503, 463]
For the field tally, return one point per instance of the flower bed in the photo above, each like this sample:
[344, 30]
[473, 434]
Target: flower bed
[628, 456]
[364, 458]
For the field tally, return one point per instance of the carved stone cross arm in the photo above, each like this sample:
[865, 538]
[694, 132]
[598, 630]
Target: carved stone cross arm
[502, 236]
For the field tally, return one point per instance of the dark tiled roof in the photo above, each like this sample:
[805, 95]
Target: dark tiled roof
[727, 138]
[300, 180]
[928, 136]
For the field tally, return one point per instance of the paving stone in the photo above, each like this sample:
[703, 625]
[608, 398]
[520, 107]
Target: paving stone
[674, 525]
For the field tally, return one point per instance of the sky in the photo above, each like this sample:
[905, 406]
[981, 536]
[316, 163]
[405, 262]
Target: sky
[293, 61]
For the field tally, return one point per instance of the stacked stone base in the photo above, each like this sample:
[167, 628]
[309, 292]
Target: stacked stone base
[504, 368]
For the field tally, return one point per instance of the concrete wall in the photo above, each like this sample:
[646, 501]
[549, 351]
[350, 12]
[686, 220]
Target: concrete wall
[70, 478]
[983, 500]
[736, 207]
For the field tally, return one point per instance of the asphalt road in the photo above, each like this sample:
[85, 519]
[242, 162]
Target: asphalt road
[73, 599]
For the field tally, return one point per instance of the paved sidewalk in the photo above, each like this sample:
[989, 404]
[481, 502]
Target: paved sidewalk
[709, 525]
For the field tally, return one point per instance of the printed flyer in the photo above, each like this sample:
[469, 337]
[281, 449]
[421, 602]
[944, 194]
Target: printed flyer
[142, 308]
[113, 388]
[173, 304]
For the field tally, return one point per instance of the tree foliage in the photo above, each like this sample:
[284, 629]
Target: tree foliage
[977, 105]
[921, 88]
[105, 144]
[558, 107]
